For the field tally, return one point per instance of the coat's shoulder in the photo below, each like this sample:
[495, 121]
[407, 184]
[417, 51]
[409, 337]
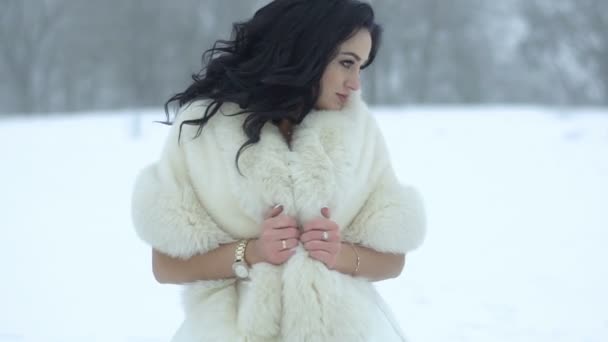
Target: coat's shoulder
[188, 119]
[197, 109]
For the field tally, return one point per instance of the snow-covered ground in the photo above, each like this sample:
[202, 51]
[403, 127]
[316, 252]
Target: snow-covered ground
[517, 202]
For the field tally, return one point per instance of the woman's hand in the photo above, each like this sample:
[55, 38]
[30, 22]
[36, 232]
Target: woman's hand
[321, 238]
[277, 242]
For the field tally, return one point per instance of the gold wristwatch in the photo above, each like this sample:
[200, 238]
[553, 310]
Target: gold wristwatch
[240, 267]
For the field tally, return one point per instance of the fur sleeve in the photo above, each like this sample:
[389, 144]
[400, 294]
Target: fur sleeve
[165, 210]
[392, 218]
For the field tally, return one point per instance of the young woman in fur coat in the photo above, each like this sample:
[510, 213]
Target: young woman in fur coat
[274, 201]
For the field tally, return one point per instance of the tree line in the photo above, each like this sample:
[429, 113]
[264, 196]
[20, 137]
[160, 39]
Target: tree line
[70, 55]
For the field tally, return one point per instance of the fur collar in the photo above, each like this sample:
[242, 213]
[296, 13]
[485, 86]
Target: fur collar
[328, 153]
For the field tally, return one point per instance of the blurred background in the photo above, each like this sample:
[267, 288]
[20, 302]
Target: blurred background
[495, 110]
[68, 55]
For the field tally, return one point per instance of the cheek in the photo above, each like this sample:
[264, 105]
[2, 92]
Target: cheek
[331, 80]
[331, 83]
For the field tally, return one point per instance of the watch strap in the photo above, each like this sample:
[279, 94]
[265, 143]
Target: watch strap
[239, 254]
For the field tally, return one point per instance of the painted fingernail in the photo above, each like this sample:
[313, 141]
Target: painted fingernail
[278, 205]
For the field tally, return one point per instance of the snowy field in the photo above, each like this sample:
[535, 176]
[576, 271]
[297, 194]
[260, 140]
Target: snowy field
[517, 203]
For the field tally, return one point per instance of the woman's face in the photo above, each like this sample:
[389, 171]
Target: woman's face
[341, 76]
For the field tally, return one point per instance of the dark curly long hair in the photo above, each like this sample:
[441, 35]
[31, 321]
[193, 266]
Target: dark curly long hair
[273, 65]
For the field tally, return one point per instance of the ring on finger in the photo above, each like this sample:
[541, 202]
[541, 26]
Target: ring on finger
[325, 236]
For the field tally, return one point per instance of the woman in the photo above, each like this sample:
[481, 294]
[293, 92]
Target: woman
[274, 201]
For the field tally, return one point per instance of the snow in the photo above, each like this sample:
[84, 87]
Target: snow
[517, 217]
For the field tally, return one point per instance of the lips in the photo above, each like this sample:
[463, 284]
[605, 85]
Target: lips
[342, 98]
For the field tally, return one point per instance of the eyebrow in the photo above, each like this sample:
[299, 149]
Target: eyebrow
[353, 55]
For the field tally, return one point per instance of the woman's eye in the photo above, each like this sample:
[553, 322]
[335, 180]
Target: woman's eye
[347, 64]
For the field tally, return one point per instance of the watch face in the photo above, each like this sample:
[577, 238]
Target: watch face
[241, 271]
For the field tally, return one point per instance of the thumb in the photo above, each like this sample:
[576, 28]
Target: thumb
[274, 212]
[325, 212]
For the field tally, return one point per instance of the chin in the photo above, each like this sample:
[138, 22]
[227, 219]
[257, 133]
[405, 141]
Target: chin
[329, 107]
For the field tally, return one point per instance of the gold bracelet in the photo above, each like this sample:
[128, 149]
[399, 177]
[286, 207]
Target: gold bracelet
[358, 259]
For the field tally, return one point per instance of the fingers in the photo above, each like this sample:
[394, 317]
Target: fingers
[280, 257]
[288, 244]
[278, 209]
[283, 221]
[321, 238]
[280, 237]
[327, 258]
[325, 225]
[277, 252]
[285, 249]
[284, 255]
[274, 236]
[320, 255]
[320, 224]
[274, 219]
[277, 220]
[326, 213]
[315, 245]
[332, 236]
[285, 233]
[274, 212]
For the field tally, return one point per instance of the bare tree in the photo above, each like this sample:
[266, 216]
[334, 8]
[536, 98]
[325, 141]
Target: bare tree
[66, 55]
[27, 33]
[433, 50]
[568, 40]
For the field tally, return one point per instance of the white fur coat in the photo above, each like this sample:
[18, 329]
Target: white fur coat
[194, 199]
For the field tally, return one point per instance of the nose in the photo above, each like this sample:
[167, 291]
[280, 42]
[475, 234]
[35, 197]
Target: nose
[353, 82]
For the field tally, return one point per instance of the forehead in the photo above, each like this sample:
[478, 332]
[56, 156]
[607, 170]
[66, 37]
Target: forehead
[360, 43]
